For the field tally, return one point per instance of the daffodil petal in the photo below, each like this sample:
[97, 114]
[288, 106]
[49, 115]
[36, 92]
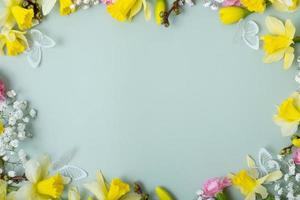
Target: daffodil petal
[94, 188]
[262, 191]
[275, 26]
[73, 194]
[250, 162]
[45, 163]
[135, 9]
[33, 171]
[274, 57]
[290, 29]
[288, 58]
[250, 196]
[147, 10]
[101, 182]
[25, 192]
[11, 196]
[253, 172]
[287, 128]
[273, 176]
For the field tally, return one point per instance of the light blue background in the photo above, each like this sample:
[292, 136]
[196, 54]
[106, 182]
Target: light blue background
[168, 107]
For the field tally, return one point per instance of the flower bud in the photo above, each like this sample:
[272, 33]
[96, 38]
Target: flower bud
[160, 7]
[232, 14]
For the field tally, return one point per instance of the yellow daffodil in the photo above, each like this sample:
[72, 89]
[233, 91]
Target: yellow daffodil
[14, 42]
[288, 115]
[14, 13]
[255, 5]
[41, 186]
[232, 14]
[250, 184]
[73, 194]
[125, 10]
[66, 7]
[116, 190]
[285, 6]
[277, 45]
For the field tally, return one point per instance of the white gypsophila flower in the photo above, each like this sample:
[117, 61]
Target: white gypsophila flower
[15, 118]
[213, 4]
[280, 191]
[297, 177]
[11, 173]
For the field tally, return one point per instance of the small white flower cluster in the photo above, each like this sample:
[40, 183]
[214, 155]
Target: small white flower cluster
[212, 4]
[85, 4]
[15, 117]
[289, 186]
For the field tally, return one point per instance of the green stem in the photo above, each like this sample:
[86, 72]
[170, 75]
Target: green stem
[296, 39]
[221, 196]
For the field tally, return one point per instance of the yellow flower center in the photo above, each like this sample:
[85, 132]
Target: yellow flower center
[246, 183]
[273, 43]
[23, 16]
[52, 186]
[117, 189]
[288, 111]
[14, 47]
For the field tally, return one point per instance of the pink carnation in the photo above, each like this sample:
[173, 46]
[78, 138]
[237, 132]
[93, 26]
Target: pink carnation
[296, 156]
[213, 186]
[227, 3]
[107, 2]
[2, 91]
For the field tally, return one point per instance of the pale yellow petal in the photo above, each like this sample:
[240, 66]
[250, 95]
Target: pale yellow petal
[45, 163]
[101, 182]
[250, 162]
[253, 172]
[275, 26]
[135, 9]
[262, 191]
[287, 128]
[11, 196]
[25, 192]
[290, 29]
[274, 57]
[288, 58]
[73, 194]
[33, 171]
[250, 196]
[94, 188]
[273, 176]
[147, 10]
